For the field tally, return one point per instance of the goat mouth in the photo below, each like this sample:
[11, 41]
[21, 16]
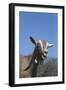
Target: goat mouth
[42, 59]
[44, 56]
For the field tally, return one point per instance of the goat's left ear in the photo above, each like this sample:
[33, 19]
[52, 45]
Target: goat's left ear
[50, 45]
[33, 40]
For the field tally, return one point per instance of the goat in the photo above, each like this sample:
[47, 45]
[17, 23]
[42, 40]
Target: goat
[28, 64]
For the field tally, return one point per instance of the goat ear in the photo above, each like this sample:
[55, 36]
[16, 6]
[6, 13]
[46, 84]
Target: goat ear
[50, 45]
[33, 40]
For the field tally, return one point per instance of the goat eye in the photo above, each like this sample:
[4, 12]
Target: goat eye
[46, 52]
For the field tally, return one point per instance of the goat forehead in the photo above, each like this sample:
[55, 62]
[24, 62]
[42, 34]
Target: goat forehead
[43, 43]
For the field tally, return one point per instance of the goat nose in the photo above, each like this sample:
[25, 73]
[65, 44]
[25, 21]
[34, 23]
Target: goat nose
[45, 55]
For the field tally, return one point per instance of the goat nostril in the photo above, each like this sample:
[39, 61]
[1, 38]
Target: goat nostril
[45, 55]
[46, 52]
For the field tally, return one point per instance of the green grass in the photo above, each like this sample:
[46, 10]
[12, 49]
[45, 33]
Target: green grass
[48, 68]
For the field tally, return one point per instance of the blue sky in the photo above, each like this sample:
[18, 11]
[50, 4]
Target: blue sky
[39, 26]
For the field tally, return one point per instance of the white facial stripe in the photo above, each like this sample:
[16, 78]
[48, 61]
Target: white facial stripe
[41, 44]
[46, 44]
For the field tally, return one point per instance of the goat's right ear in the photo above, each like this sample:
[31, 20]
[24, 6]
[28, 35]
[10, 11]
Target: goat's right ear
[33, 40]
